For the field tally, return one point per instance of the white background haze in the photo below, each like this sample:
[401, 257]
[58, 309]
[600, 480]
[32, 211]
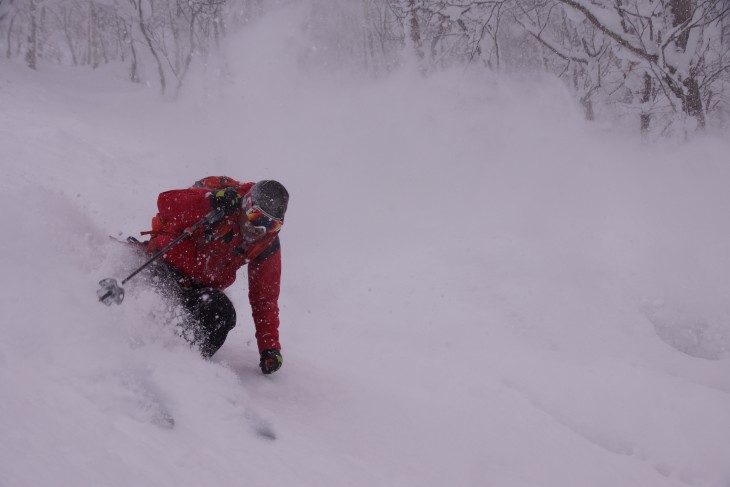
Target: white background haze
[479, 288]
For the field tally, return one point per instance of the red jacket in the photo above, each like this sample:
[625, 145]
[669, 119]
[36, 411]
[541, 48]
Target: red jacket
[211, 258]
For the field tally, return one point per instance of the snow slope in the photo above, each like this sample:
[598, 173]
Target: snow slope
[479, 289]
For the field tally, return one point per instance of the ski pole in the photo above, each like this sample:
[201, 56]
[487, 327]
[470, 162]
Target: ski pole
[111, 292]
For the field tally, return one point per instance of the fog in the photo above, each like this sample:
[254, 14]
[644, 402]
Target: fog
[479, 287]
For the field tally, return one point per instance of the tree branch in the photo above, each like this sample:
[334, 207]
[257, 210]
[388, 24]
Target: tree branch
[642, 54]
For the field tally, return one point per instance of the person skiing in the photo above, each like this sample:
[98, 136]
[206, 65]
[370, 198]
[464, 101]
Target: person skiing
[195, 271]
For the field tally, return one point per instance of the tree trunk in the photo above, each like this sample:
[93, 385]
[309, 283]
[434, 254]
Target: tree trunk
[31, 54]
[414, 29]
[691, 98]
[93, 35]
[645, 117]
[122, 34]
[69, 41]
[692, 102]
[133, 74]
[8, 51]
[367, 38]
[148, 38]
[587, 104]
[681, 12]
[189, 57]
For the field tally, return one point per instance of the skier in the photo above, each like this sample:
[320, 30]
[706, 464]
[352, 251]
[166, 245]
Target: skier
[195, 271]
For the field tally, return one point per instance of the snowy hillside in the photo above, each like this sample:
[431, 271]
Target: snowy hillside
[479, 289]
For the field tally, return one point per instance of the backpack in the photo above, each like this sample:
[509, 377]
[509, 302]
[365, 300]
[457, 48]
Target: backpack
[211, 183]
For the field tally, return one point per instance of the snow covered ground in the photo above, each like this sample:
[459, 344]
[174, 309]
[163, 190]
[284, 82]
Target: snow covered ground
[479, 288]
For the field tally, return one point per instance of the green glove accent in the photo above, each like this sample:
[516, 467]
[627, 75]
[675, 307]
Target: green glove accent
[271, 361]
[227, 200]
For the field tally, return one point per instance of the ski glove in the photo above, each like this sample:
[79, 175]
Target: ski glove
[270, 361]
[226, 200]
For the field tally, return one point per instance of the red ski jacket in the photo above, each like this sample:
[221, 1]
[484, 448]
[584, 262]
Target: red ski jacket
[211, 257]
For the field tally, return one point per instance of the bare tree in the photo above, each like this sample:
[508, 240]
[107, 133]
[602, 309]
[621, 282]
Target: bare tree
[672, 38]
[143, 27]
[442, 33]
[199, 17]
[657, 62]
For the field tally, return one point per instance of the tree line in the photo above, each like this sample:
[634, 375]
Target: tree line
[165, 35]
[663, 65]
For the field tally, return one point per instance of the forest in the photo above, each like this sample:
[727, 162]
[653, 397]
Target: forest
[661, 67]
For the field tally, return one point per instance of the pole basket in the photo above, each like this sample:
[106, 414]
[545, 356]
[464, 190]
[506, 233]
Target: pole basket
[110, 292]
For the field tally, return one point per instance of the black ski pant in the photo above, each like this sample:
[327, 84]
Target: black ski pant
[207, 314]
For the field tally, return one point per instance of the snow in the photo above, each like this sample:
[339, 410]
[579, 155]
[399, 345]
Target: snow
[479, 288]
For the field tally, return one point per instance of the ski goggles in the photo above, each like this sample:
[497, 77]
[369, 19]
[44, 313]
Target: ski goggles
[259, 218]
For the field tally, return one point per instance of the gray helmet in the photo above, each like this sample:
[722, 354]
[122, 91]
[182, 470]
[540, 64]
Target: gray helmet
[271, 197]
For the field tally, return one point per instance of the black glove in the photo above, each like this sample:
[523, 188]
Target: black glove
[270, 361]
[226, 200]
